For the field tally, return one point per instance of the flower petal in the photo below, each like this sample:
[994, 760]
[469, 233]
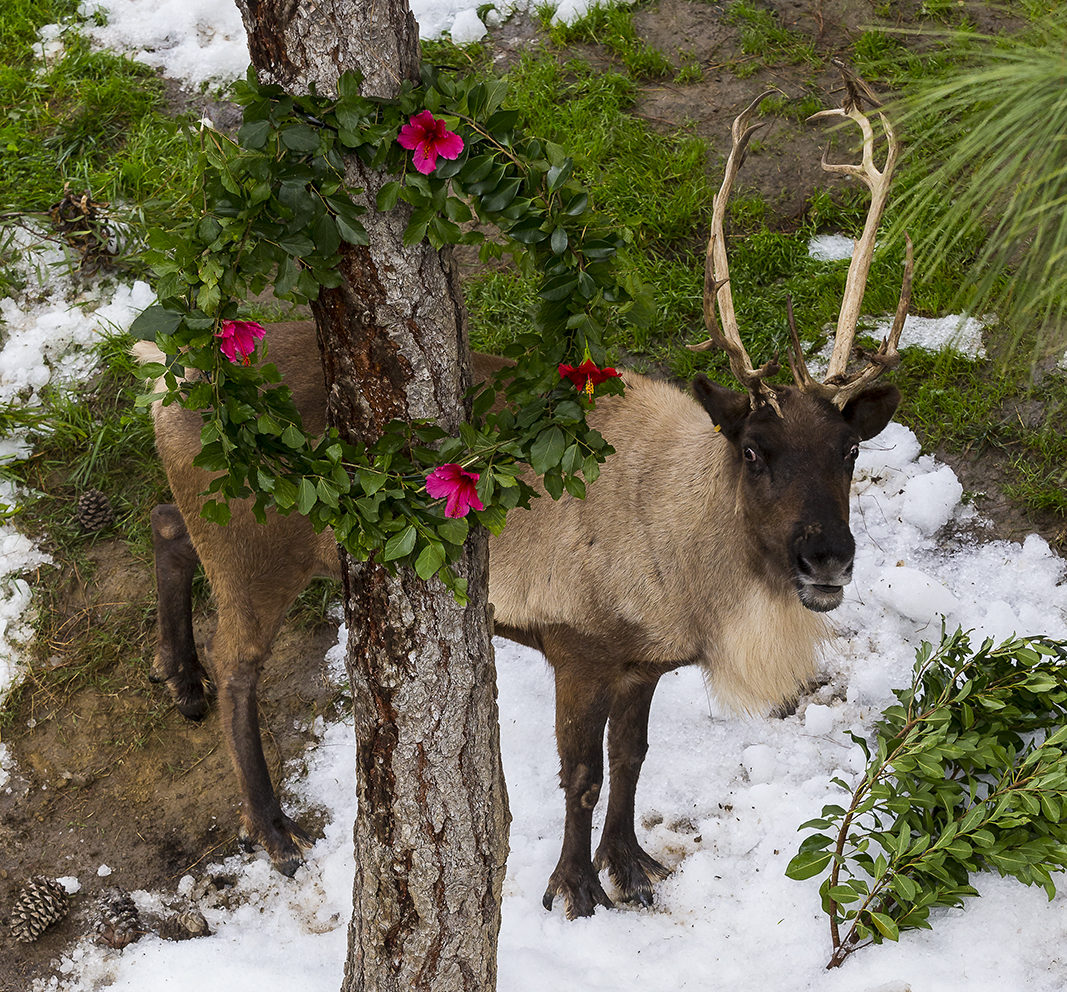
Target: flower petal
[410, 136]
[425, 157]
[450, 146]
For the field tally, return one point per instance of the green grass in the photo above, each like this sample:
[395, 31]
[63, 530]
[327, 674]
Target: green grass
[614, 29]
[765, 41]
[90, 120]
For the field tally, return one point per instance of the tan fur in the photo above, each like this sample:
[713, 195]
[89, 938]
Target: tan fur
[659, 544]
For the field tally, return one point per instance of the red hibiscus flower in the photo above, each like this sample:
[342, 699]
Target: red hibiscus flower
[239, 337]
[457, 487]
[429, 138]
[587, 376]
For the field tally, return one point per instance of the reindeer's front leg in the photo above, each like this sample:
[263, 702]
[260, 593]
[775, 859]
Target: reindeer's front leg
[582, 705]
[630, 868]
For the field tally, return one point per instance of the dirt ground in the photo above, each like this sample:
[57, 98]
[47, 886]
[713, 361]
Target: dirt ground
[119, 778]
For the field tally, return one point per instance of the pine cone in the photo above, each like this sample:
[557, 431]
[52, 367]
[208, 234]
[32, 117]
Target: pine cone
[94, 510]
[119, 923]
[185, 925]
[40, 904]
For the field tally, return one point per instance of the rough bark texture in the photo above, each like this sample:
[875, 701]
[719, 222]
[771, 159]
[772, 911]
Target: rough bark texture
[431, 831]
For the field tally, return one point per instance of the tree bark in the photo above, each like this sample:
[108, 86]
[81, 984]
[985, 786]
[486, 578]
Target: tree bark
[431, 829]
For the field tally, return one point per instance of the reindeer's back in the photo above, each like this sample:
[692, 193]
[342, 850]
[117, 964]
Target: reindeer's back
[630, 552]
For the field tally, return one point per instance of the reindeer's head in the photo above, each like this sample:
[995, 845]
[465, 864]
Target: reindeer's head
[795, 446]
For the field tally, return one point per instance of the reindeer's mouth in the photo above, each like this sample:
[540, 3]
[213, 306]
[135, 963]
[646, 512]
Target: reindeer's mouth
[822, 588]
[820, 597]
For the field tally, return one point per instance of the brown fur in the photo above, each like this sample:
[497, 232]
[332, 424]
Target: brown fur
[686, 551]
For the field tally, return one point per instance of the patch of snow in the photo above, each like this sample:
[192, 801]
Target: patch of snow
[957, 331]
[196, 41]
[50, 45]
[467, 27]
[830, 247]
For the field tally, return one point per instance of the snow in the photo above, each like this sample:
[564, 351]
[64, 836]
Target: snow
[203, 41]
[720, 797]
[831, 247]
[959, 332]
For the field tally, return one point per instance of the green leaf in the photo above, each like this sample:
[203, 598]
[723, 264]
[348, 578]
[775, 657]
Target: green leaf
[885, 925]
[807, 864]
[370, 481]
[454, 530]
[254, 134]
[558, 175]
[155, 320]
[547, 450]
[575, 486]
[430, 559]
[492, 518]
[387, 196]
[306, 496]
[352, 231]
[293, 437]
[400, 545]
[300, 138]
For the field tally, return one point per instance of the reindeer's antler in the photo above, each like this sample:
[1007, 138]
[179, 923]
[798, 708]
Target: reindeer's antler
[839, 387]
[717, 277]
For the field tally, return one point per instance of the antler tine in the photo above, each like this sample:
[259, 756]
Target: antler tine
[801, 375]
[877, 181]
[717, 274]
[886, 357]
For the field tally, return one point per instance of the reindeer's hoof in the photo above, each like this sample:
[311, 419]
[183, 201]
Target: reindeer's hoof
[580, 888]
[190, 689]
[632, 870]
[191, 696]
[283, 839]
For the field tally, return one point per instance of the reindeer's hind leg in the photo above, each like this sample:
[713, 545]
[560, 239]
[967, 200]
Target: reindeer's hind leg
[241, 645]
[176, 662]
[630, 868]
[582, 705]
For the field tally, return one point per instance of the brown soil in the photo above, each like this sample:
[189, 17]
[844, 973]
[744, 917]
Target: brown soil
[116, 776]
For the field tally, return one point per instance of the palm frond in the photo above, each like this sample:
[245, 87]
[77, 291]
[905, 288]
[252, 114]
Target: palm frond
[991, 142]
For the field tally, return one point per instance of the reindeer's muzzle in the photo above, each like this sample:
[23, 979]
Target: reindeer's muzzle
[822, 567]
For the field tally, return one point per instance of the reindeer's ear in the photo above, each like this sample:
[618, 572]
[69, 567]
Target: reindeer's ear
[869, 412]
[727, 408]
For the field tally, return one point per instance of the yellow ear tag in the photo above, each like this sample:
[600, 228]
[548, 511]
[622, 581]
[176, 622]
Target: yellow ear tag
[718, 429]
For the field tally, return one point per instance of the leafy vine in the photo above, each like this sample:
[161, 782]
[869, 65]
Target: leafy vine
[276, 211]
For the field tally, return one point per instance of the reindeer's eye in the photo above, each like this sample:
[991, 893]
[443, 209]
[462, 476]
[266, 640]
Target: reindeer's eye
[853, 453]
[750, 455]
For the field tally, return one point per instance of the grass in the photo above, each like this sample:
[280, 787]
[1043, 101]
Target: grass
[614, 29]
[765, 41]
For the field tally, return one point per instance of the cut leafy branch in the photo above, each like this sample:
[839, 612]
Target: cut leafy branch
[967, 772]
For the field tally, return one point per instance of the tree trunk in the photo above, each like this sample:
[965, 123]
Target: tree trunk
[431, 830]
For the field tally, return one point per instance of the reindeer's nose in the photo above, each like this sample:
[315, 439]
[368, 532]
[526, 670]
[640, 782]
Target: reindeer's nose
[822, 565]
[824, 570]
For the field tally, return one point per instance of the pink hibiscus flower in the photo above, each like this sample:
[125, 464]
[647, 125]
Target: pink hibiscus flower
[239, 337]
[457, 487]
[429, 138]
[586, 376]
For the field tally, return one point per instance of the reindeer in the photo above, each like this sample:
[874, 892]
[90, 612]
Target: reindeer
[717, 535]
